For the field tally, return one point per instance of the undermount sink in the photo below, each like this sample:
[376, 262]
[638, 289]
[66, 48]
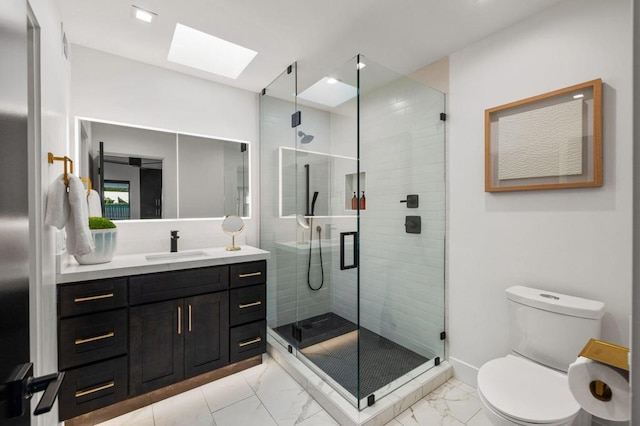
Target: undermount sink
[175, 256]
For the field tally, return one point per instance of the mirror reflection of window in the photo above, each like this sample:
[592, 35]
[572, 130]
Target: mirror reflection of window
[117, 196]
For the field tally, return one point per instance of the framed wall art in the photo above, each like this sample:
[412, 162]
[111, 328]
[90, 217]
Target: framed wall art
[549, 141]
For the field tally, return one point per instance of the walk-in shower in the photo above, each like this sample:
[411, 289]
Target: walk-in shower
[355, 290]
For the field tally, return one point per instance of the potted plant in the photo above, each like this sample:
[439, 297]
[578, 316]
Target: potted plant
[105, 238]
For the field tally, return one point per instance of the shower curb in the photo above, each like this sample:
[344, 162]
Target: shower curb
[382, 412]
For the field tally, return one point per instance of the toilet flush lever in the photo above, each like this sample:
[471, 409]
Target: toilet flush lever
[412, 201]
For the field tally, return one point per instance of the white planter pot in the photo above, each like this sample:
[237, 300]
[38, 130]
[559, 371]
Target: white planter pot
[106, 242]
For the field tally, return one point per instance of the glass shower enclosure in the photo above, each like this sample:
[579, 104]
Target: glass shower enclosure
[353, 213]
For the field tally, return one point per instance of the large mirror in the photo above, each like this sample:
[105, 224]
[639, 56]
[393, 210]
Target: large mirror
[143, 173]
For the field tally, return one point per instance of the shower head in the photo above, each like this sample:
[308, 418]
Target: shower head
[305, 138]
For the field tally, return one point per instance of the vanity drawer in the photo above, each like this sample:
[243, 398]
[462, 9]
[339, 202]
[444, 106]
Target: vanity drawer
[247, 341]
[92, 338]
[176, 284]
[247, 304]
[91, 296]
[95, 386]
[250, 273]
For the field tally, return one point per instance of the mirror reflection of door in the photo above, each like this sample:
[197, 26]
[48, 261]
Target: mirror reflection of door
[150, 194]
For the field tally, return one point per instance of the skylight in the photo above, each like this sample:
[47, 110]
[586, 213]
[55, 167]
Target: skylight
[205, 52]
[329, 91]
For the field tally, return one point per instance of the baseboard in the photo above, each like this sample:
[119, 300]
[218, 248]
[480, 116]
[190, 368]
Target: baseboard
[464, 372]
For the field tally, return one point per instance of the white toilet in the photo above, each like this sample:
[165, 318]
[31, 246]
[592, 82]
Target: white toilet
[547, 332]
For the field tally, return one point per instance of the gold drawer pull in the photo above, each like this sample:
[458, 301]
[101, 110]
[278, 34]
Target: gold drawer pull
[94, 390]
[179, 320]
[252, 274]
[91, 298]
[248, 305]
[250, 342]
[93, 339]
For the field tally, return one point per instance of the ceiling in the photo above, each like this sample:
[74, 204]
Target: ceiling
[321, 35]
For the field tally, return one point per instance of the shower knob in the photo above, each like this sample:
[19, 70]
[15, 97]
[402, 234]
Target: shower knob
[412, 201]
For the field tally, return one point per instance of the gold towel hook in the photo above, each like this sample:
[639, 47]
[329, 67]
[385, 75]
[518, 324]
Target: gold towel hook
[89, 185]
[51, 158]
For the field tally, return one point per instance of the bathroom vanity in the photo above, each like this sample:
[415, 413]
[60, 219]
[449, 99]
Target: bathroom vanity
[142, 328]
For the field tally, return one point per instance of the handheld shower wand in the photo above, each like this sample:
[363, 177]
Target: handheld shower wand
[319, 230]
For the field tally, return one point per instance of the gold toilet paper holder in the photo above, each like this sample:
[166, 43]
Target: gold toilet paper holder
[608, 354]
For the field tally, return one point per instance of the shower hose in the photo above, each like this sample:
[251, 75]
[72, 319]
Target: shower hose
[319, 229]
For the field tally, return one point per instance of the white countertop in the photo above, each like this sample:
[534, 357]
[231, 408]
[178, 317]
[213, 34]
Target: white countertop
[134, 264]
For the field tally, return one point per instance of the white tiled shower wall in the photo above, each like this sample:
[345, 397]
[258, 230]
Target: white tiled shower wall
[402, 275]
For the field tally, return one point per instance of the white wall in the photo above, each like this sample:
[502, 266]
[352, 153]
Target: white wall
[575, 241]
[54, 105]
[113, 88]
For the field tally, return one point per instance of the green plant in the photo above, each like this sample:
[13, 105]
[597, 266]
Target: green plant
[100, 223]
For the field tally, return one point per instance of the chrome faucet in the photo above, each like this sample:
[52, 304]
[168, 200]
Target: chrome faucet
[174, 241]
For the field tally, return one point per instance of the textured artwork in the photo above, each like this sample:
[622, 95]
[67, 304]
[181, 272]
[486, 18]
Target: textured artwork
[542, 142]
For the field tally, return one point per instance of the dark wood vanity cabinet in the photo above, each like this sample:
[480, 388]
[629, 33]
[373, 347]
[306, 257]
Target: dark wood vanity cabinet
[248, 310]
[92, 345]
[124, 337]
[177, 339]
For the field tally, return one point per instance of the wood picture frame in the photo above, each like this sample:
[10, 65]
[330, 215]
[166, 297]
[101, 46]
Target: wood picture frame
[549, 141]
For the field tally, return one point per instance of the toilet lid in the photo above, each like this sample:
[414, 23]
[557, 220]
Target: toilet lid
[523, 390]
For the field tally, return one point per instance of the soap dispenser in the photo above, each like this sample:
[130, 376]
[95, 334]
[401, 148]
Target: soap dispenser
[363, 202]
[354, 202]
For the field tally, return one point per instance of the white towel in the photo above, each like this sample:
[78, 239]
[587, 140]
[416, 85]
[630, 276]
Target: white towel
[57, 211]
[79, 238]
[95, 207]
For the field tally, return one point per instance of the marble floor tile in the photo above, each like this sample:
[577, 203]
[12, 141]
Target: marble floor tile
[455, 401]
[480, 419]
[319, 419]
[226, 391]
[141, 417]
[423, 413]
[266, 395]
[286, 400]
[188, 408]
[248, 412]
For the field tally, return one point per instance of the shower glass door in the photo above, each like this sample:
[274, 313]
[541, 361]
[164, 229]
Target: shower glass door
[327, 179]
[355, 225]
[402, 229]
[279, 205]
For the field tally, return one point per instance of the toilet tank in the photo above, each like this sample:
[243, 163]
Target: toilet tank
[551, 328]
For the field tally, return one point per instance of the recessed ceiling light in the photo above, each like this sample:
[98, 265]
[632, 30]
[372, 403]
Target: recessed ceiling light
[205, 52]
[331, 80]
[143, 15]
[578, 96]
[332, 96]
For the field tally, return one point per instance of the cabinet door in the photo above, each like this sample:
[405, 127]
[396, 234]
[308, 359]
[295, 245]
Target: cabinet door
[206, 333]
[156, 345]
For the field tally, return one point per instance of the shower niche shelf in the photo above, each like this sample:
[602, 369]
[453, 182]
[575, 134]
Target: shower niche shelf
[351, 186]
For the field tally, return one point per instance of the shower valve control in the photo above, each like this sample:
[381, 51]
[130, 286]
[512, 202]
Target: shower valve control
[412, 201]
[413, 225]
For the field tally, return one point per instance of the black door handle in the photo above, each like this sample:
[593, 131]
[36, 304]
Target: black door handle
[22, 385]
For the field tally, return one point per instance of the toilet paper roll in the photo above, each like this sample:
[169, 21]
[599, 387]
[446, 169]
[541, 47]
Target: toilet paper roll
[609, 398]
